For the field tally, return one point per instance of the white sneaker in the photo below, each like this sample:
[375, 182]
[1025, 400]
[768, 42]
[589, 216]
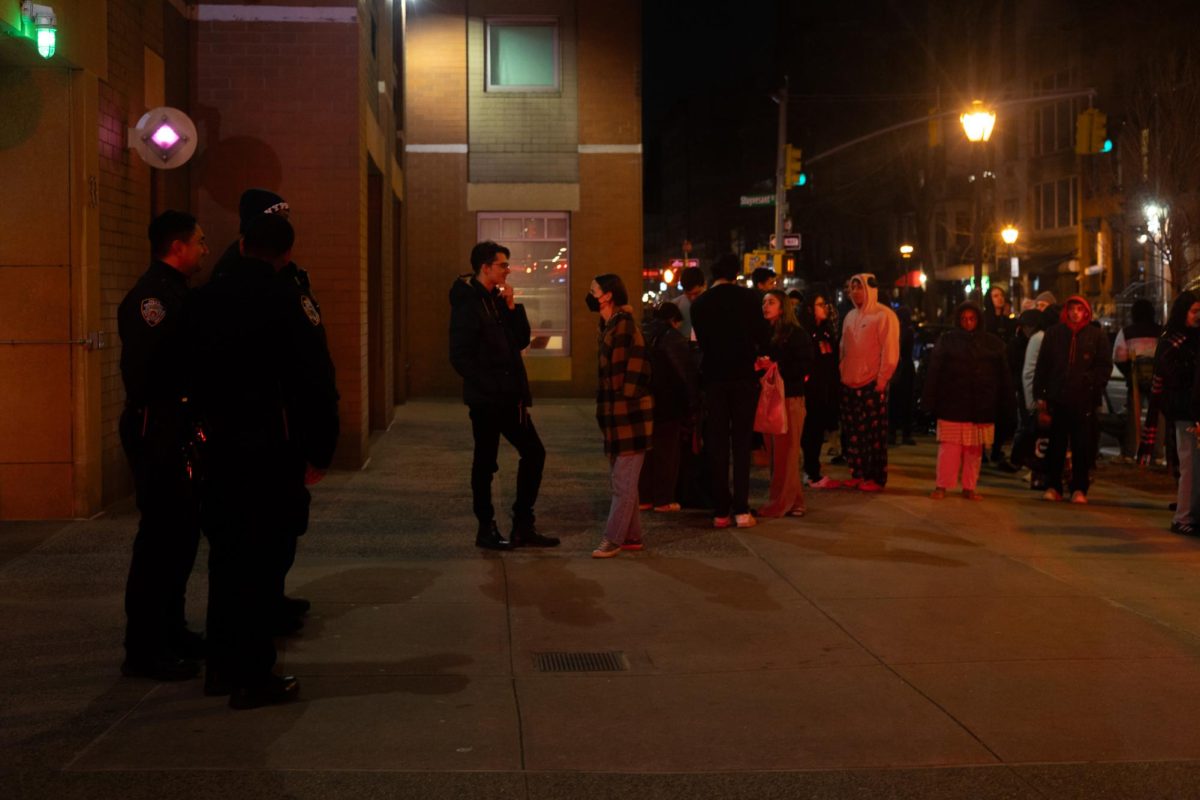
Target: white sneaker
[1079, 498]
[745, 520]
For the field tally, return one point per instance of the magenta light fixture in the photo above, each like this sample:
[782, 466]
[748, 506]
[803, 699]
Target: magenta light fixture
[165, 137]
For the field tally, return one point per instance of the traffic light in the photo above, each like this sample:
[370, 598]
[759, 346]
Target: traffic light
[793, 166]
[1091, 132]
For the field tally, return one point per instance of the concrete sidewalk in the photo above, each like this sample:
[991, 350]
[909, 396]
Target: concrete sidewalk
[882, 646]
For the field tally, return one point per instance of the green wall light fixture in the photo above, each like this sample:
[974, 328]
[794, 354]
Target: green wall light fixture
[45, 26]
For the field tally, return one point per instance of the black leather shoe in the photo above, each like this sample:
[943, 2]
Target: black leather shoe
[294, 606]
[272, 690]
[489, 538]
[524, 534]
[160, 668]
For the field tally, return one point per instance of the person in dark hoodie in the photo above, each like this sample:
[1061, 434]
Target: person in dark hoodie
[967, 385]
[1073, 367]
[822, 392]
[488, 331]
[676, 386]
[1172, 394]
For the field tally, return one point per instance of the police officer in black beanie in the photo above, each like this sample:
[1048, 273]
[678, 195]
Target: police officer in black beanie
[253, 204]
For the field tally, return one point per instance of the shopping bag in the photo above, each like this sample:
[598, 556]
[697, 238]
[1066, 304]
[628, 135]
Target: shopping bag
[771, 414]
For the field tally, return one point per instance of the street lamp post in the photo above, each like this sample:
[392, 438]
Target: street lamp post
[977, 124]
[1009, 234]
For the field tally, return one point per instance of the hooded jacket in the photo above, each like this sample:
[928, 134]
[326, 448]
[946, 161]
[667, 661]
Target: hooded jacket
[1075, 361]
[968, 378]
[870, 346]
[486, 340]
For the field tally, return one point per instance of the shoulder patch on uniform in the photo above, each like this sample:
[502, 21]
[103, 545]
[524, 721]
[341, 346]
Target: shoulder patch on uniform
[153, 311]
[310, 310]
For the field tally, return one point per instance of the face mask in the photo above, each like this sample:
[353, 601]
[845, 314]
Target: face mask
[593, 303]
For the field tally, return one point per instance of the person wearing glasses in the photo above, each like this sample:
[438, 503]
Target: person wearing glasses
[488, 331]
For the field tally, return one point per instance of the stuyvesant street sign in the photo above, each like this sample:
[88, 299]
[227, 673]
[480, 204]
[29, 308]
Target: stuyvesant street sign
[752, 200]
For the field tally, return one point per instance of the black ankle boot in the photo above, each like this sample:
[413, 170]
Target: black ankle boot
[489, 537]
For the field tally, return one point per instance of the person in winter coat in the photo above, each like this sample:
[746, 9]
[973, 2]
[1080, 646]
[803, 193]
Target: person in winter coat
[1027, 326]
[1172, 392]
[870, 352]
[624, 409]
[822, 392]
[676, 399]
[1133, 353]
[1040, 422]
[997, 319]
[968, 382]
[488, 331]
[1073, 367]
[790, 349]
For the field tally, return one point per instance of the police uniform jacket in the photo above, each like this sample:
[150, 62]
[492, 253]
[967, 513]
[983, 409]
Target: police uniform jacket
[153, 323]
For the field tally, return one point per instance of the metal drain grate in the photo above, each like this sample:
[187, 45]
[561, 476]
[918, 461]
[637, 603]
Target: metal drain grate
[612, 661]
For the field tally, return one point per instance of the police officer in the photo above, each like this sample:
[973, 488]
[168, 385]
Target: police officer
[157, 433]
[269, 410]
[255, 202]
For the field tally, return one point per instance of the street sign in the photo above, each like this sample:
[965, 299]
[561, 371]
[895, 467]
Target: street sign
[677, 263]
[791, 241]
[752, 200]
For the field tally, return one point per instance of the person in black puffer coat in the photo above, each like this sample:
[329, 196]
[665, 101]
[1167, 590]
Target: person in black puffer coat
[488, 331]
[968, 382]
[676, 386]
[1171, 394]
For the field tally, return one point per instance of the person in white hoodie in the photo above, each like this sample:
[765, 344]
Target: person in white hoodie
[870, 352]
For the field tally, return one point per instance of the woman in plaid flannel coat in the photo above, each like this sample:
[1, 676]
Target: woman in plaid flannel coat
[624, 409]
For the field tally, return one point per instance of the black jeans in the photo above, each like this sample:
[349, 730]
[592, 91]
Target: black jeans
[164, 550]
[1076, 426]
[811, 440]
[488, 424]
[730, 408]
[660, 470]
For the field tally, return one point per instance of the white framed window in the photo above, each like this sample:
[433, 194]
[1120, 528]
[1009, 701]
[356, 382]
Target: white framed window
[522, 54]
[540, 274]
[1055, 204]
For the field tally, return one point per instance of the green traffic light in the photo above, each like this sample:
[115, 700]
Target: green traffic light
[802, 179]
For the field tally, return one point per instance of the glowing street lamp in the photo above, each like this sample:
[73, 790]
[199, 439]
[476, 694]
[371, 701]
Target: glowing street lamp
[1009, 234]
[906, 251]
[977, 124]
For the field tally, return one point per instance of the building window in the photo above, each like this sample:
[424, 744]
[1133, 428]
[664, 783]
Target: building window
[1055, 122]
[541, 272]
[522, 55]
[1056, 204]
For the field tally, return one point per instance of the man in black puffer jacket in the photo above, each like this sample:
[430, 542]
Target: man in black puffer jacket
[488, 331]
[1073, 368]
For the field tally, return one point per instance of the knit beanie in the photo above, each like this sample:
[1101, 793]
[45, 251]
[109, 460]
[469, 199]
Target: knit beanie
[1047, 297]
[258, 201]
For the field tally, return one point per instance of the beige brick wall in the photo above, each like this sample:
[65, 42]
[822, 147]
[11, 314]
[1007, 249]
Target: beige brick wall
[523, 137]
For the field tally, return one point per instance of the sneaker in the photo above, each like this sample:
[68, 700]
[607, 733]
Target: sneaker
[938, 494]
[826, 483]
[1052, 495]
[1184, 529]
[971, 494]
[633, 544]
[669, 507]
[870, 486]
[745, 520]
[851, 483]
[1079, 498]
[722, 522]
[798, 511]
[645, 506]
[606, 549]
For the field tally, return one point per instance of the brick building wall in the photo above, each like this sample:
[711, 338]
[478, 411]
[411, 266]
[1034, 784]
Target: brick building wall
[124, 189]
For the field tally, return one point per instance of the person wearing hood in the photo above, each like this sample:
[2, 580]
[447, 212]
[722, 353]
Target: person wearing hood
[624, 410]
[676, 399]
[731, 333]
[488, 331]
[1173, 394]
[967, 385]
[869, 355]
[1073, 367]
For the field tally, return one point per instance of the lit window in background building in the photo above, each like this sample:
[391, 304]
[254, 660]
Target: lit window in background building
[541, 272]
[522, 55]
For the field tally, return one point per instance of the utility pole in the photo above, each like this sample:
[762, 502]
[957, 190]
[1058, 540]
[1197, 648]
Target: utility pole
[781, 165]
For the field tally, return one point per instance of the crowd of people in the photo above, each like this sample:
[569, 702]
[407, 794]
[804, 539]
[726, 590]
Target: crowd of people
[723, 370]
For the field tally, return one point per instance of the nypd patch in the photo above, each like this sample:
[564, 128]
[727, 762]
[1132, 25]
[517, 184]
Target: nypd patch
[153, 311]
[310, 310]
